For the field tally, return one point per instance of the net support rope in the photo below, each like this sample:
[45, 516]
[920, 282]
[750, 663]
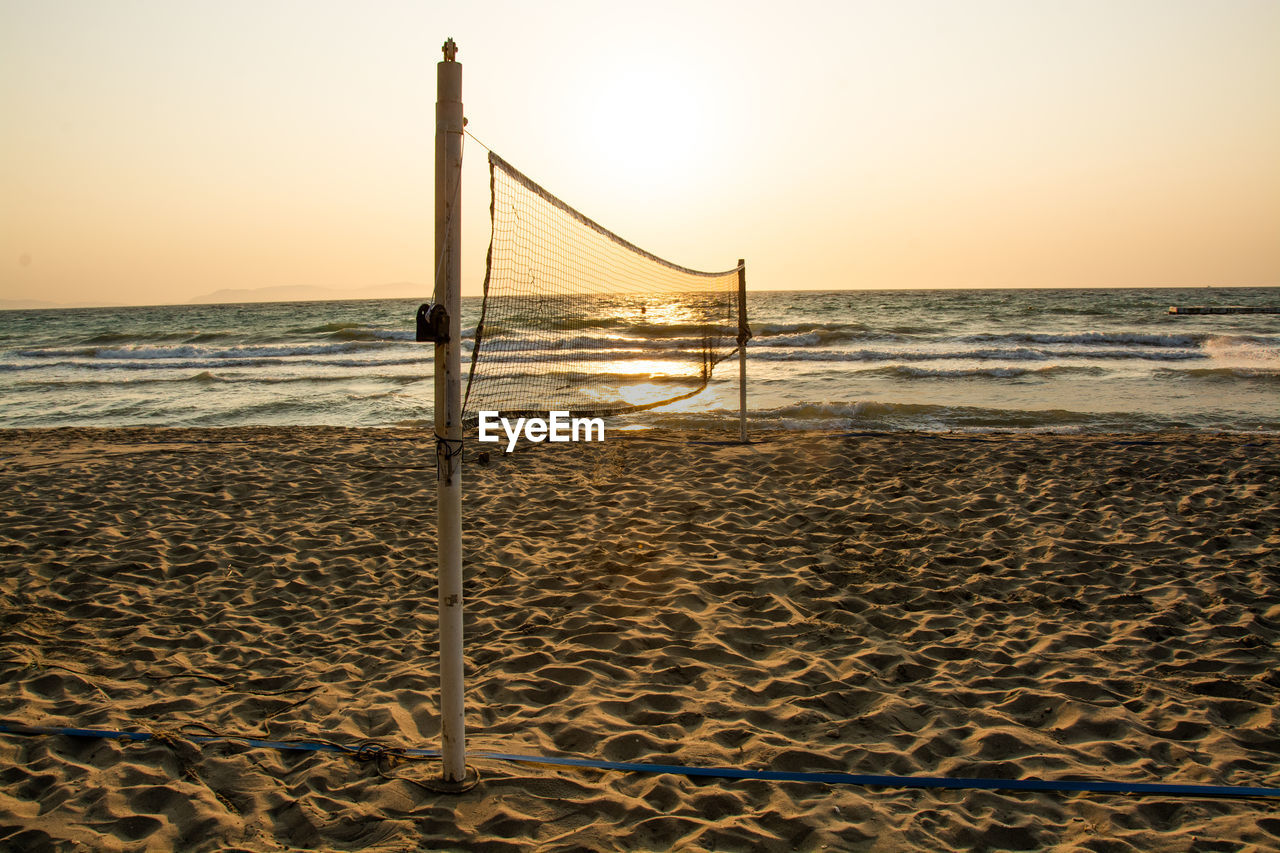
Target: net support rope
[576, 318]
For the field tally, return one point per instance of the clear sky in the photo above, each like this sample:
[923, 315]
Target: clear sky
[154, 151]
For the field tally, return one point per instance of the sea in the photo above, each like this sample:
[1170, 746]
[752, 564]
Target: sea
[1034, 360]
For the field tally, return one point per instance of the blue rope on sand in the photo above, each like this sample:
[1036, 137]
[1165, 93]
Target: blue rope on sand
[1066, 785]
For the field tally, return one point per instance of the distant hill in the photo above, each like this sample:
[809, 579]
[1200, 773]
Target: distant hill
[305, 293]
[25, 304]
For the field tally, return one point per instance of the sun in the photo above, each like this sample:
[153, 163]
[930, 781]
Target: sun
[645, 127]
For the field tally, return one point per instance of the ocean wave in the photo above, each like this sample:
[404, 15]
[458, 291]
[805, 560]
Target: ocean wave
[590, 356]
[810, 338]
[1090, 338]
[358, 355]
[625, 350]
[792, 328]
[427, 360]
[18, 366]
[616, 379]
[326, 328]
[880, 416]
[544, 327]
[1063, 311]
[673, 330]
[594, 343]
[362, 333]
[114, 338]
[573, 324]
[186, 336]
[820, 334]
[193, 351]
[358, 332]
[828, 337]
[1221, 374]
[1244, 348]
[810, 347]
[209, 377]
[993, 354]
[902, 371]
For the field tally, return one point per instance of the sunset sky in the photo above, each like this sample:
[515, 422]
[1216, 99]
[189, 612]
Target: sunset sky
[155, 151]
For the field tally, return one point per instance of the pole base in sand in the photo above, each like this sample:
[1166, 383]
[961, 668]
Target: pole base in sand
[470, 779]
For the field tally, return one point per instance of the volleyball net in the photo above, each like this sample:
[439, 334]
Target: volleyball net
[575, 318]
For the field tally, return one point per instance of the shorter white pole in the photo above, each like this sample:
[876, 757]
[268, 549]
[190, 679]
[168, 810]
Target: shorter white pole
[744, 333]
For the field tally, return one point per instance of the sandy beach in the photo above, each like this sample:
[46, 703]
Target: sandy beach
[1033, 606]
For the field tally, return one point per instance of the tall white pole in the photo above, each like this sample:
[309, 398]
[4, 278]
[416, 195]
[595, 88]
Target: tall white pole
[448, 411]
[744, 334]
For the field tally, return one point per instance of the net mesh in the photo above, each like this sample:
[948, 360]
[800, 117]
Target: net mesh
[575, 318]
